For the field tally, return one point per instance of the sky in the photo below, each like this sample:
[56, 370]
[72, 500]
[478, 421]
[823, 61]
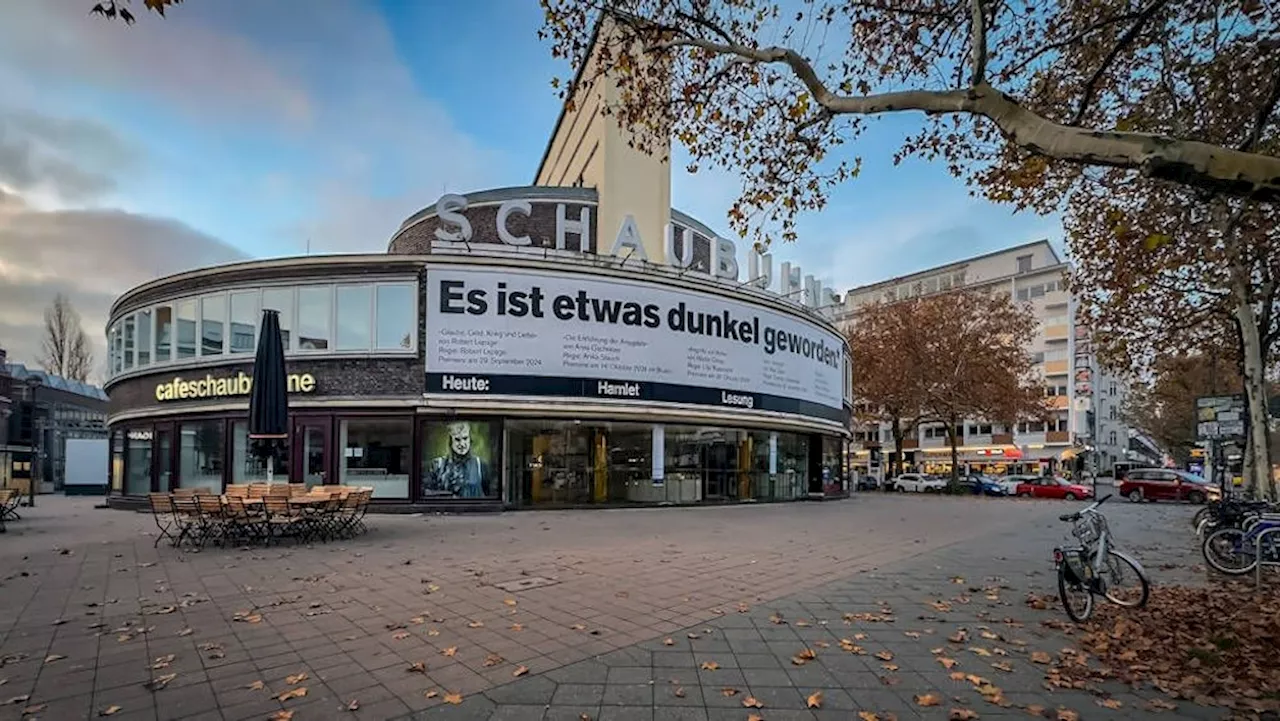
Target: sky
[236, 129]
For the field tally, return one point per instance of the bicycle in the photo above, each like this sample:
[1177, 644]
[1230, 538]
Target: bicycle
[1095, 567]
[1233, 550]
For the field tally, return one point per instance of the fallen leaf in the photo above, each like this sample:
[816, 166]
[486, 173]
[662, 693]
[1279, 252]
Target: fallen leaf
[1110, 703]
[957, 675]
[693, 635]
[1066, 714]
[492, 660]
[1002, 666]
[163, 661]
[989, 635]
[755, 717]
[453, 698]
[160, 682]
[885, 655]
[1040, 657]
[928, 699]
[1035, 710]
[109, 711]
[814, 700]
[822, 644]
[889, 666]
[961, 714]
[520, 671]
[980, 651]
[185, 632]
[957, 579]
[1158, 704]
[752, 702]
[476, 624]
[353, 705]
[402, 635]
[298, 692]
[948, 662]
[509, 601]
[167, 610]
[578, 627]
[450, 652]
[679, 692]
[296, 679]
[517, 627]
[960, 636]
[868, 716]
[911, 634]
[776, 619]
[256, 686]
[417, 667]
[710, 665]
[32, 710]
[436, 631]
[803, 624]
[431, 694]
[668, 642]
[281, 715]
[53, 657]
[18, 699]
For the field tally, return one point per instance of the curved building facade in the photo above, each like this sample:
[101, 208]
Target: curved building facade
[502, 353]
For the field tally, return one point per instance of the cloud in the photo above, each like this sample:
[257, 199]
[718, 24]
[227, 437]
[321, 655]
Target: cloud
[90, 255]
[72, 160]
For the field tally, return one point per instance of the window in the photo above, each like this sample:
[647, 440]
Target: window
[128, 342]
[397, 307]
[213, 312]
[1112, 413]
[186, 329]
[1112, 392]
[164, 333]
[314, 317]
[200, 456]
[376, 453]
[1061, 425]
[250, 467]
[144, 338]
[1024, 294]
[244, 321]
[1058, 390]
[1024, 264]
[355, 309]
[935, 432]
[1111, 438]
[117, 461]
[281, 299]
[1037, 357]
[137, 480]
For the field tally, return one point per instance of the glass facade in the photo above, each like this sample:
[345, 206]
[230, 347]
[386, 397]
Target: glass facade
[516, 462]
[314, 319]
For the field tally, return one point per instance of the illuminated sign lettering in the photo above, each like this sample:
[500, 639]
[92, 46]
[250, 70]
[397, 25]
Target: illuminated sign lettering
[180, 389]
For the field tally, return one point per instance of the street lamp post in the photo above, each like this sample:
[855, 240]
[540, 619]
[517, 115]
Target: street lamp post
[37, 444]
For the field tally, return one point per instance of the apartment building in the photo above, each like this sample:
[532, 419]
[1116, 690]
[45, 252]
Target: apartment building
[1035, 276]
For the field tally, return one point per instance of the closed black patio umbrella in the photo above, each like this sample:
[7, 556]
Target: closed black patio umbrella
[269, 396]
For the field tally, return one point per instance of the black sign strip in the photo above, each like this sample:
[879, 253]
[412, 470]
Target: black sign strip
[556, 386]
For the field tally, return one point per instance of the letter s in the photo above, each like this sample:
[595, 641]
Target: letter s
[453, 224]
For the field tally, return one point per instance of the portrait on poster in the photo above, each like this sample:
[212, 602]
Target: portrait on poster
[458, 461]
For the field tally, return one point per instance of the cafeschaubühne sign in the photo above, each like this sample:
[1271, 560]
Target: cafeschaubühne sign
[211, 386]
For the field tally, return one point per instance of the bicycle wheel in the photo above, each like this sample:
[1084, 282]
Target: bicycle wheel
[1227, 551]
[1126, 584]
[1072, 594]
[1201, 516]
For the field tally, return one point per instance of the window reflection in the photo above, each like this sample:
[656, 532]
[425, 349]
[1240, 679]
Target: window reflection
[128, 342]
[397, 315]
[244, 319]
[213, 309]
[200, 456]
[187, 329]
[355, 309]
[281, 299]
[164, 332]
[313, 318]
[376, 453]
[247, 466]
[144, 338]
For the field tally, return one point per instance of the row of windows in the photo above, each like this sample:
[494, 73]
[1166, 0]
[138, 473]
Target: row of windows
[1039, 290]
[313, 319]
[925, 286]
[885, 435]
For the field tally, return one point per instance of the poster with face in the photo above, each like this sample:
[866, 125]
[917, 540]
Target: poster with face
[459, 460]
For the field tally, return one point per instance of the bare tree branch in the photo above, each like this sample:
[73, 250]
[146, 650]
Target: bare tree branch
[1091, 86]
[1069, 41]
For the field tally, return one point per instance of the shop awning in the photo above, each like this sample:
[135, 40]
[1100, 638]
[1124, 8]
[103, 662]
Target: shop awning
[1012, 452]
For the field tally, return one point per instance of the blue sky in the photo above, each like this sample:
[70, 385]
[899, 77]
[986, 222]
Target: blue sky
[238, 128]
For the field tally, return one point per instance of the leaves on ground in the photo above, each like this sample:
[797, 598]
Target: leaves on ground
[476, 624]
[776, 619]
[755, 717]
[578, 627]
[804, 656]
[752, 702]
[710, 665]
[1002, 666]
[728, 691]
[431, 694]
[517, 627]
[960, 636]
[1066, 714]
[298, 692]
[400, 636]
[492, 660]
[509, 601]
[911, 634]
[159, 682]
[1110, 703]
[53, 657]
[1040, 657]
[962, 714]
[520, 671]
[885, 655]
[296, 678]
[32, 710]
[353, 705]
[928, 699]
[679, 692]
[814, 700]
[1159, 704]
[281, 715]
[163, 661]
[255, 686]
[450, 652]
[948, 662]
[417, 667]
[668, 642]
[110, 711]
[452, 698]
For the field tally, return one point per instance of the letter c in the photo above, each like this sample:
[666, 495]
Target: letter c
[504, 211]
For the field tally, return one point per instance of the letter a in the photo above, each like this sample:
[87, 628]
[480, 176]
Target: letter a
[629, 237]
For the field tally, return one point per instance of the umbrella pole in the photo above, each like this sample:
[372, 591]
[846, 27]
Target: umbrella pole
[271, 466]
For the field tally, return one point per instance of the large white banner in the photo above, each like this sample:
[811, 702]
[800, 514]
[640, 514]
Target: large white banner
[570, 334]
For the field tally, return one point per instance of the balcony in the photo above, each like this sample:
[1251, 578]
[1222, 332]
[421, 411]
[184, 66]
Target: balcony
[1056, 332]
[1002, 439]
[910, 444]
[1057, 437]
[1059, 403]
[1055, 367]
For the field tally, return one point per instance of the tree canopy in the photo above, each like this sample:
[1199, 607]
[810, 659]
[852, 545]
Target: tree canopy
[1022, 99]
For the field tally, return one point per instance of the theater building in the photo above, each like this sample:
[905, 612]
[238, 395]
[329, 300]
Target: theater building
[575, 341]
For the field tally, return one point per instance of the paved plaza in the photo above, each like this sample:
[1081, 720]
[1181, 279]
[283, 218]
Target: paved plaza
[781, 611]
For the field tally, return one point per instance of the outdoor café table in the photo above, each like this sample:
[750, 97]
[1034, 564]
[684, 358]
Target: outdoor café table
[295, 501]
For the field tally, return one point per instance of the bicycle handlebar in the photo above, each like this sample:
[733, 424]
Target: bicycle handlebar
[1091, 508]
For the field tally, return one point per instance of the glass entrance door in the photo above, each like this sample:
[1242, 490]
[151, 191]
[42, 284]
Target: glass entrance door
[164, 459]
[311, 451]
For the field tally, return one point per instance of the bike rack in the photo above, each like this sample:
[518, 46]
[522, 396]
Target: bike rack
[1257, 570]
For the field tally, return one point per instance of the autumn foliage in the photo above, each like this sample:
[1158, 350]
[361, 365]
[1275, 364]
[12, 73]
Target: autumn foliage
[946, 358]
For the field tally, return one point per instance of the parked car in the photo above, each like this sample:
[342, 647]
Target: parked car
[984, 485]
[1010, 483]
[1051, 487]
[1167, 484]
[918, 483]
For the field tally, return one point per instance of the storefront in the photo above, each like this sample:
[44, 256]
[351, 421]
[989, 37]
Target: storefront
[473, 371]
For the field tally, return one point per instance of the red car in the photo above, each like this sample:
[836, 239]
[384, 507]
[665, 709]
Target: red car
[1049, 487]
[1167, 484]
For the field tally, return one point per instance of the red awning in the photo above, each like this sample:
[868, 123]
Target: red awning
[1012, 452]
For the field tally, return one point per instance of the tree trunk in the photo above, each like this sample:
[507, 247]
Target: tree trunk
[896, 430]
[955, 453]
[1257, 448]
